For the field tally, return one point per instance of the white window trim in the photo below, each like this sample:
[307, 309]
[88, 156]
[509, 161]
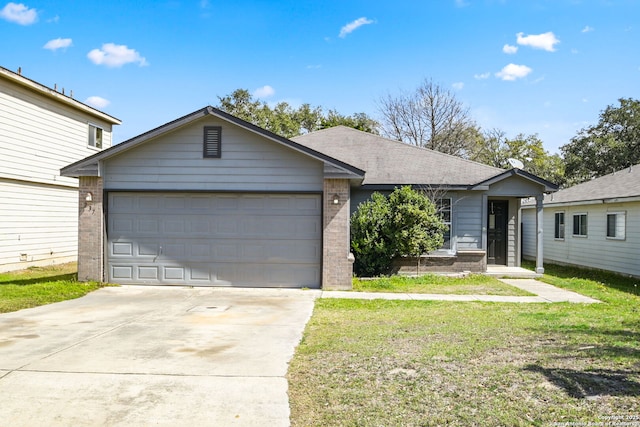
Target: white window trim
[624, 219]
[580, 236]
[89, 127]
[564, 225]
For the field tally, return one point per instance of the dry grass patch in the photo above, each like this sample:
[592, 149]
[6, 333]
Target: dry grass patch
[423, 363]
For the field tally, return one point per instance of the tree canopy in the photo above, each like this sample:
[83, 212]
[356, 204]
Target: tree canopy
[612, 144]
[429, 117]
[494, 148]
[287, 121]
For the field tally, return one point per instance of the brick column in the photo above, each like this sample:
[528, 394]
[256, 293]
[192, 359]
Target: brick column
[90, 230]
[337, 268]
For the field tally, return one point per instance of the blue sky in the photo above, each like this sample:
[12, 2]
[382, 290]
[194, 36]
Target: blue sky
[523, 66]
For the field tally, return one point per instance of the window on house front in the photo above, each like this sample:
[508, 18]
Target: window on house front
[580, 225]
[212, 142]
[616, 225]
[95, 136]
[559, 226]
[444, 210]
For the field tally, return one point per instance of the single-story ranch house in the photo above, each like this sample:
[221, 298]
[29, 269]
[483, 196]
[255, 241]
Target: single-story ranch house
[595, 224]
[209, 199]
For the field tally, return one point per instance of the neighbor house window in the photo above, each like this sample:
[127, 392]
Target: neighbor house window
[559, 226]
[580, 225]
[616, 225]
[95, 136]
[212, 141]
[444, 210]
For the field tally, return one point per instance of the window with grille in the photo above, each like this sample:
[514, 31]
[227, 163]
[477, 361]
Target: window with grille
[212, 142]
[580, 225]
[444, 210]
[616, 225]
[95, 136]
[559, 226]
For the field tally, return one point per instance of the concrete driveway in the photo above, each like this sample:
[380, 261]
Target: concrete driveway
[140, 356]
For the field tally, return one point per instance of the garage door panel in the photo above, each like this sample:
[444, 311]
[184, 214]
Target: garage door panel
[215, 239]
[148, 272]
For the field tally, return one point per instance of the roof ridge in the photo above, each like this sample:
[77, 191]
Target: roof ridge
[404, 144]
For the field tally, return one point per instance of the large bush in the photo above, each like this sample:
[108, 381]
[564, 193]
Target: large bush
[404, 224]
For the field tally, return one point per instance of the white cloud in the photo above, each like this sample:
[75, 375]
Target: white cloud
[458, 85]
[97, 101]
[352, 26]
[482, 76]
[507, 48]
[264, 92]
[587, 29]
[58, 43]
[513, 71]
[461, 3]
[545, 41]
[19, 13]
[113, 56]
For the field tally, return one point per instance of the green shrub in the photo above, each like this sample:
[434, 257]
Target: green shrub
[404, 224]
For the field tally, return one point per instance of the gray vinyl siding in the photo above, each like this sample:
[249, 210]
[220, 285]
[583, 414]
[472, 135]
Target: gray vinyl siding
[248, 162]
[38, 222]
[467, 222]
[595, 250]
[39, 136]
[529, 233]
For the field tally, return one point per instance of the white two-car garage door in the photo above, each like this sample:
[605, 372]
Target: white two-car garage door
[204, 239]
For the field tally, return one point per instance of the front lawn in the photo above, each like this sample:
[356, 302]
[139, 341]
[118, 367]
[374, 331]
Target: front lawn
[474, 284]
[423, 363]
[41, 285]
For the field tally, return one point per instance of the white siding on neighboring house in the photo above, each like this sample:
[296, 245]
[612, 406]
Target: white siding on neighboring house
[41, 131]
[38, 137]
[247, 163]
[595, 250]
[39, 226]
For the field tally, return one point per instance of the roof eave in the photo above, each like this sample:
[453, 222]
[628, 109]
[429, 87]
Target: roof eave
[74, 168]
[549, 187]
[59, 97]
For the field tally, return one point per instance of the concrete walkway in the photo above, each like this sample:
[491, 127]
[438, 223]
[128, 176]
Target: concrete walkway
[544, 293]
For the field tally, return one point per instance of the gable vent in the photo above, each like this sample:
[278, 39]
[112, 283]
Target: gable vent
[212, 141]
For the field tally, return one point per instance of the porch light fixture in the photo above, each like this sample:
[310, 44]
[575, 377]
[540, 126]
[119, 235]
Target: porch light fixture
[336, 199]
[89, 198]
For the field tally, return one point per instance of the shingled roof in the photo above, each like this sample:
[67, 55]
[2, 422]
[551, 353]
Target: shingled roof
[389, 162]
[618, 185]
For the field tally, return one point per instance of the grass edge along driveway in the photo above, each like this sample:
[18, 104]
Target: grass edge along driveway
[41, 285]
[423, 363]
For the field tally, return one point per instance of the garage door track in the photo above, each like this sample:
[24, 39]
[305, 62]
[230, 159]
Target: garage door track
[136, 355]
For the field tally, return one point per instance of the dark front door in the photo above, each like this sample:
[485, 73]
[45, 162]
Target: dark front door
[497, 232]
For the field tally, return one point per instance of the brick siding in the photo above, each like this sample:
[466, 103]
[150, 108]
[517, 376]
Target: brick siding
[90, 230]
[337, 269]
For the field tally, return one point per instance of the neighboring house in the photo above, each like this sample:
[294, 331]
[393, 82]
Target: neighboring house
[210, 199]
[42, 130]
[595, 224]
